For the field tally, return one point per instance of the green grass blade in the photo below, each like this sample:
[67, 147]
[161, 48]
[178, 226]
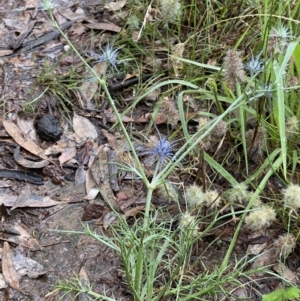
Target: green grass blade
[220, 169]
[279, 114]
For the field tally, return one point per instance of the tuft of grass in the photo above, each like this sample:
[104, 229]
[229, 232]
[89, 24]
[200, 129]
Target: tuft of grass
[60, 86]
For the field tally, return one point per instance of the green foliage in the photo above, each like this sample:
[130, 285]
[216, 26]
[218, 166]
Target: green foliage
[283, 294]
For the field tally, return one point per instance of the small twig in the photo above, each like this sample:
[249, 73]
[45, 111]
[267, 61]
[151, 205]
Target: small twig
[127, 83]
[145, 21]
[57, 243]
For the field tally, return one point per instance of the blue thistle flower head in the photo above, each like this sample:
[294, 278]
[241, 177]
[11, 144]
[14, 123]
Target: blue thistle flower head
[163, 149]
[281, 32]
[109, 55]
[254, 65]
[268, 91]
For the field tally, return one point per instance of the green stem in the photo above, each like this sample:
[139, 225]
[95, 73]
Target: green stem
[140, 256]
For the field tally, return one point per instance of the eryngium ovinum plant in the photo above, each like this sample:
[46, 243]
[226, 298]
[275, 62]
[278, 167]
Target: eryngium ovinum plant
[143, 247]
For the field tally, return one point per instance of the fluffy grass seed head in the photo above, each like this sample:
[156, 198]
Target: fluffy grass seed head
[292, 126]
[202, 122]
[286, 244]
[188, 223]
[291, 196]
[212, 199]
[170, 9]
[219, 130]
[109, 55]
[256, 203]
[260, 218]
[170, 111]
[177, 51]
[195, 197]
[234, 69]
[168, 192]
[205, 143]
[238, 193]
[133, 22]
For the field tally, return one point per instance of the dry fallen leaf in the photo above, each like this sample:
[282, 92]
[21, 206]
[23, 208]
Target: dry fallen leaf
[109, 219]
[67, 154]
[32, 201]
[3, 284]
[104, 26]
[85, 283]
[5, 52]
[80, 175]
[111, 117]
[56, 148]
[268, 257]
[100, 173]
[24, 239]
[89, 88]
[285, 272]
[134, 211]
[73, 16]
[84, 128]
[22, 197]
[8, 270]
[115, 5]
[112, 141]
[27, 127]
[26, 266]
[30, 4]
[23, 140]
